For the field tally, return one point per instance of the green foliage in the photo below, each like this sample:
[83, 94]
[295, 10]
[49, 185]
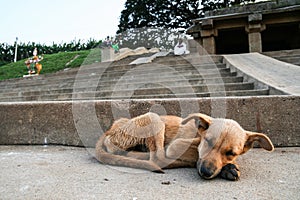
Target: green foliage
[7, 52]
[217, 4]
[168, 13]
[52, 63]
[158, 13]
[155, 23]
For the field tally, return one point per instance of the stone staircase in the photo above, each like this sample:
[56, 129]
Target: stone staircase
[43, 120]
[74, 106]
[165, 77]
[289, 56]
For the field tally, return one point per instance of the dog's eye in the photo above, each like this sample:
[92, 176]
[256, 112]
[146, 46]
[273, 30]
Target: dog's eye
[230, 153]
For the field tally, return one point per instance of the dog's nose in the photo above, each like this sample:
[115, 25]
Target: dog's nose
[205, 172]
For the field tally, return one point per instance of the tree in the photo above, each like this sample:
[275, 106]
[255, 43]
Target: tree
[155, 23]
[158, 13]
[217, 4]
[168, 13]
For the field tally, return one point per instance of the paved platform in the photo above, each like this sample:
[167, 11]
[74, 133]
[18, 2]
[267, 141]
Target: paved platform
[280, 75]
[59, 172]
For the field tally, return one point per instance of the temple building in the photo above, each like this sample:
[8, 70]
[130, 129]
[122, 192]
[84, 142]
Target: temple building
[259, 27]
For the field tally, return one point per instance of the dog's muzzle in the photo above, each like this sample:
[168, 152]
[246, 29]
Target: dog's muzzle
[206, 170]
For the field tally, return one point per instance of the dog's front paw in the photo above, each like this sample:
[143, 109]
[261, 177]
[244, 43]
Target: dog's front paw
[230, 172]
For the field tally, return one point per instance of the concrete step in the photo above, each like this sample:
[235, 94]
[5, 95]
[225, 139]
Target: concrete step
[132, 76]
[293, 59]
[289, 56]
[281, 78]
[175, 83]
[140, 89]
[163, 73]
[106, 85]
[290, 59]
[177, 66]
[260, 92]
[160, 79]
[154, 89]
[280, 53]
[113, 67]
[97, 96]
[192, 58]
[89, 72]
[154, 77]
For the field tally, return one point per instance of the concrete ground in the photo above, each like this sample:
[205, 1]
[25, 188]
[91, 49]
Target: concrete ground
[59, 172]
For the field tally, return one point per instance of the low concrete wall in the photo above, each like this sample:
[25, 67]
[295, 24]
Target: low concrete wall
[81, 123]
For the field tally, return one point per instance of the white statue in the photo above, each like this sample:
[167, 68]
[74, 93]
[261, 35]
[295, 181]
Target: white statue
[180, 48]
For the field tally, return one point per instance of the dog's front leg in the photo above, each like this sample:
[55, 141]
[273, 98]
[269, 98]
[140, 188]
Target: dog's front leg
[156, 146]
[230, 172]
[150, 143]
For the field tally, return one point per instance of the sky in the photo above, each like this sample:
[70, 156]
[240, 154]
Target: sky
[47, 21]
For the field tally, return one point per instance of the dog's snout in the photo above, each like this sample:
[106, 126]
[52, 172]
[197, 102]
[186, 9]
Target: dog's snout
[206, 170]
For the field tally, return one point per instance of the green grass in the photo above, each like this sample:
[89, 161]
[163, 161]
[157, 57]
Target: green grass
[52, 63]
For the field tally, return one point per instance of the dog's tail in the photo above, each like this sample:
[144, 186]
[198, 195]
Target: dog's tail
[119, 160]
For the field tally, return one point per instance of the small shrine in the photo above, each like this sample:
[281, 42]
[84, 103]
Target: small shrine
[33, 65]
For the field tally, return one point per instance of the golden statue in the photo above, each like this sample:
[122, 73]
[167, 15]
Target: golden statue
[33, 62]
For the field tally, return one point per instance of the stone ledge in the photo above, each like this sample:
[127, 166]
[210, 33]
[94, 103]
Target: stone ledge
[80, 123]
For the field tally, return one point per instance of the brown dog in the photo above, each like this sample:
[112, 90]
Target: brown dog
[210, 144]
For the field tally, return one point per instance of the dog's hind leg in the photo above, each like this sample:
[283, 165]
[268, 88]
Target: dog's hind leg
[109, 157]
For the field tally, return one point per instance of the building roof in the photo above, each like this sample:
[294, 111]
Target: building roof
[263, 8]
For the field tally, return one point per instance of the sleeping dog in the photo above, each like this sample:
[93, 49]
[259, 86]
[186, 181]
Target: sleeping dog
[210, 144]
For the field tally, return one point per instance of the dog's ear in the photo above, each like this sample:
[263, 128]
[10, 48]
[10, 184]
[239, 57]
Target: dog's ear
[201, 120]
[201, 123]
[263, 140]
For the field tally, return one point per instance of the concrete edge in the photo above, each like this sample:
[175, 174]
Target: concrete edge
[80, 123]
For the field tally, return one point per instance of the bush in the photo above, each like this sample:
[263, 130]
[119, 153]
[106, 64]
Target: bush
[52, 63]
[7, 52]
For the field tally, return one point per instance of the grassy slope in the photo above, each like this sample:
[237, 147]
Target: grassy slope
[52, 63]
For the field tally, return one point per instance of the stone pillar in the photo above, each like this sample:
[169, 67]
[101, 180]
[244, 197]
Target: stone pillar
[208, 34]
[255, 44]
[254, 29]
[209, 44]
